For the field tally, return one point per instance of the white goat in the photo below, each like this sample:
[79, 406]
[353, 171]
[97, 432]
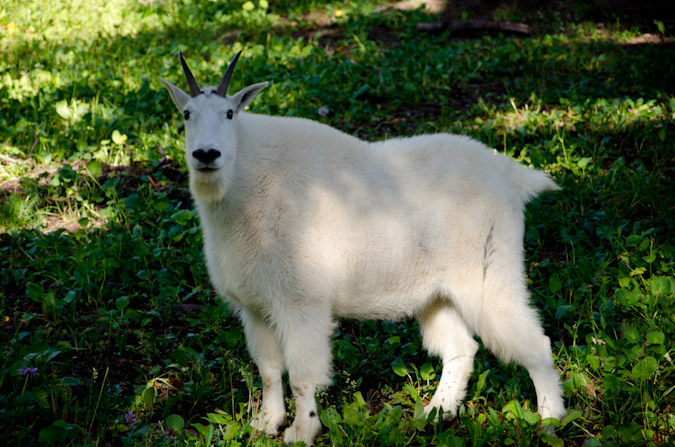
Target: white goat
[303, 223]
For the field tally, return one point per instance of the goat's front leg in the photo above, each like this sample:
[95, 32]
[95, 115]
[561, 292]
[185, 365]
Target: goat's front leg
[307, 351]
[267, 353]
[306, 426]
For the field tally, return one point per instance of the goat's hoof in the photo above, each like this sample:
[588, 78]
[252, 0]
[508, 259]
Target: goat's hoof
[305, 430]
[557, 412]
[448, 414]
[268, 423]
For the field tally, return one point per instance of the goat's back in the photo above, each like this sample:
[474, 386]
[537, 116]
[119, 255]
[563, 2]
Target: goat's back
[370, 227]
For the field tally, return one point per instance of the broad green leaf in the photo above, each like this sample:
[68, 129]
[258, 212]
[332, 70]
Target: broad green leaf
[149, 396]
[64, 346]
[81, 110]
[210, 431]
[52, 434]
[552, 440]
[175, 422]
[562, 311]
[354, 416]
[571, 416]
[122, 302]
[55, 433]
[612, 383]
[399, 367]
[632, 334]
[201, 429]
[630, 432]
[662, 30]
[161, 204]
[633, 240]
[660, 286]
[531, 417]
[331, 418]
[630, 298]
[578, 381]
[593, 361]
[656, 338]
[554, 284]
[419, 421]
[359, 400]
[182, 217]
[218, 419]
[119, 138]
[480, 383]
[135, 202]
[428, 372]
[70, 381]
[35, 292]
[645, 368]
[63, 109]
[94, 168]
[584, 162]
[624, 281]
[512, 410]
[230, 430]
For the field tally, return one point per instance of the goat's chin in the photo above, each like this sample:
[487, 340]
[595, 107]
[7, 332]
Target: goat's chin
[208, 188]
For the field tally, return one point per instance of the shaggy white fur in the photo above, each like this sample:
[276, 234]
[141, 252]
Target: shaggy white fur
[303, 223]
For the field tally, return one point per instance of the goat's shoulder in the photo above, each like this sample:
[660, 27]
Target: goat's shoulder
[287, 154]
[279, 157]
[293, 133]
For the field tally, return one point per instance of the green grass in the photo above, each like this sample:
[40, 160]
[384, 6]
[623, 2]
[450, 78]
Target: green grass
[110, 331]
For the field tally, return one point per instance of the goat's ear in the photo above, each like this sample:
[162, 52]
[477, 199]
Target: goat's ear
[178, 96]
[244, 97]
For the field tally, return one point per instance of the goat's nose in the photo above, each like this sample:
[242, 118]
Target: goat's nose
[207, 156]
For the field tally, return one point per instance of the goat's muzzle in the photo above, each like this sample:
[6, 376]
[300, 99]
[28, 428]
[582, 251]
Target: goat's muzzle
[206, 156]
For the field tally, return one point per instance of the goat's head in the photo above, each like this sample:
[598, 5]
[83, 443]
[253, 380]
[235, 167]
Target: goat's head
[210, 130]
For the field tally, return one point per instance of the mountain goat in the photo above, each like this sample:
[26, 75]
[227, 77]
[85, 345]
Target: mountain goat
[303, 223]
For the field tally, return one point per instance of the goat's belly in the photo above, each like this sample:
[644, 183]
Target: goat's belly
[382, 306]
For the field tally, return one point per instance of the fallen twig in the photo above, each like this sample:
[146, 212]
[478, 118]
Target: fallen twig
[9, 159]
[477, 25]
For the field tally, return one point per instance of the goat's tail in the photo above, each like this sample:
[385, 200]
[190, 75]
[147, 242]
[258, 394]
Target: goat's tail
[531, 182]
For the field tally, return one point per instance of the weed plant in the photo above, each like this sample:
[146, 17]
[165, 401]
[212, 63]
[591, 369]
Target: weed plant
[110, 332]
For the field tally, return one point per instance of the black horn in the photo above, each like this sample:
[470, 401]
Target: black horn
[194, 88]
[222, 87]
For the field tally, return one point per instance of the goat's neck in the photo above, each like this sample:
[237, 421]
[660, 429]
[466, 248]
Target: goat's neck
[214, 214]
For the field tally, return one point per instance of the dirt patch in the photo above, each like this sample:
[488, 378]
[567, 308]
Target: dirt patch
[60, 211]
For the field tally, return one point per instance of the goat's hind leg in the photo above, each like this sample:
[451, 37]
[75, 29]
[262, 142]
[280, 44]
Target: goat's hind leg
[445, 333]
[510, 327]
[268, 356]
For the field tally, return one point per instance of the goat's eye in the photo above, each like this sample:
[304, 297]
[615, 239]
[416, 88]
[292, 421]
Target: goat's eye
[229, 114]
[186, 114]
